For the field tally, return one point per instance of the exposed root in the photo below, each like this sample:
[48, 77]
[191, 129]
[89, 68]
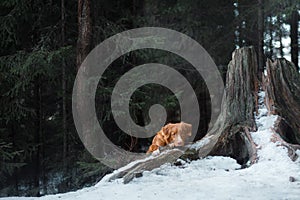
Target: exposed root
[292, 148]
[253, 157]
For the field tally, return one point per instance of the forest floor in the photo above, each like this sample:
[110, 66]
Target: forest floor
[274, 176]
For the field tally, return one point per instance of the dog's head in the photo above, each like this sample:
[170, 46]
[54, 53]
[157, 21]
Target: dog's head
[177, 133]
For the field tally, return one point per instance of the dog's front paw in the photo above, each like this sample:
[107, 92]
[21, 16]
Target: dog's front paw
[156, 152]
[172, 145]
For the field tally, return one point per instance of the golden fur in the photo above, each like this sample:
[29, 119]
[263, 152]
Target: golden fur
[172, 135]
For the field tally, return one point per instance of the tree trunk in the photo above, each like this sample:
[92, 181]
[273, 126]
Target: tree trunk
[282, 86]
[37, 137]
[294, 38]
[271, 48]
[280, 35]
[260, 52]
[83, 48]
[84, 30]
[14, 146]
[63, 79]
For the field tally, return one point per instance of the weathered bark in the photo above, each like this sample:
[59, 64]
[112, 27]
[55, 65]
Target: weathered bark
[282, 86]
[230, 135]
[294, 38]
[260, 26]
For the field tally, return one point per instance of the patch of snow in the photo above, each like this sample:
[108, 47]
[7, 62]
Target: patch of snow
[266, 122]
[263, 120]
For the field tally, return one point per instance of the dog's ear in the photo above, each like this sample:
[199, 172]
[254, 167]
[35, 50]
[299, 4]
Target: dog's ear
[171, 129]
[174, 130]
[166, 131]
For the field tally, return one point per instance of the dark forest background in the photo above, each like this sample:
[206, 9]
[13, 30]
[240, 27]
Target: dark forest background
[43, 43]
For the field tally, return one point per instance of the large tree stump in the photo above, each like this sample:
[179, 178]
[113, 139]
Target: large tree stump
[282, 86]
[230, 136]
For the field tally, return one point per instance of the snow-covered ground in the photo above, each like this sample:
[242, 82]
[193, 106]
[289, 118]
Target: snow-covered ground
[209, 178]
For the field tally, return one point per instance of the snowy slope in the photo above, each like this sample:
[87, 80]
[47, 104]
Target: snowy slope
[210, 178]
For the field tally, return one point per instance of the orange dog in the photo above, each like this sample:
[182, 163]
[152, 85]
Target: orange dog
[172, 135]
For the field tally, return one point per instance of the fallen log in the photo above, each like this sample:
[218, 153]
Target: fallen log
[136, 170]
